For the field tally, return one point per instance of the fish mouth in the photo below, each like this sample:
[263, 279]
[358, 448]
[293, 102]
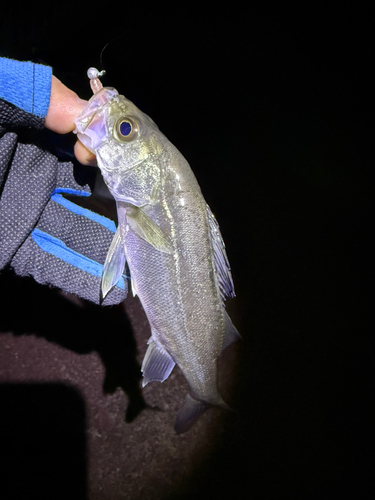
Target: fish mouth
[94, 106]
[91, 124]
[94, 132]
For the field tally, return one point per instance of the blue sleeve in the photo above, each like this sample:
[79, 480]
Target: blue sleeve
[26, 85]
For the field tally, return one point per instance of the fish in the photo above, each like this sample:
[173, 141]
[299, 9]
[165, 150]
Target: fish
[171, 242]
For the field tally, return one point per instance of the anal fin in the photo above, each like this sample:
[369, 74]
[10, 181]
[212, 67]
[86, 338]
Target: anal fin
[157, 364]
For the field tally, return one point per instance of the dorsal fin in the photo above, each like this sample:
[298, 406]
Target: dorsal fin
[221, 260]
[230, 333]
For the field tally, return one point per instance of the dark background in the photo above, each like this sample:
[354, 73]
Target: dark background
[272, 109]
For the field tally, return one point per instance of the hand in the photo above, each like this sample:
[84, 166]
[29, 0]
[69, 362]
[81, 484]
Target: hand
[64, 106]
[45, 230]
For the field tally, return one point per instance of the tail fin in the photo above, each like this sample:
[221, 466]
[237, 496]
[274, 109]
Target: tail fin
[191, 410]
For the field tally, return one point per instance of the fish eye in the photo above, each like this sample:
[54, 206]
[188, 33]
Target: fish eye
[126, 129]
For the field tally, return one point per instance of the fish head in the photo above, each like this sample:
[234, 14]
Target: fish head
[117, 132]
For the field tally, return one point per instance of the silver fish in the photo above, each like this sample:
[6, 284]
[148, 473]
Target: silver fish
[171, 242]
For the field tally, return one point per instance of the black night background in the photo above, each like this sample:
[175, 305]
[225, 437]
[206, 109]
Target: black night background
[271, 106]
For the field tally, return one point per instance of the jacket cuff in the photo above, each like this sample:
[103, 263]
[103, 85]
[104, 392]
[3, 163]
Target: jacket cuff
[26, 85]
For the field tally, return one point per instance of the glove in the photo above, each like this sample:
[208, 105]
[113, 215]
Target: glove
[42, 233]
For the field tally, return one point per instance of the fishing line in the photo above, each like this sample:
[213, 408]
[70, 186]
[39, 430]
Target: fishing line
[132, 18]
[108, 43]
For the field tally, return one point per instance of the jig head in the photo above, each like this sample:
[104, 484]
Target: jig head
[94, 76]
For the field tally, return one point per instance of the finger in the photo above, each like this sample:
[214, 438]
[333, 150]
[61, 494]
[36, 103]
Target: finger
[83, 155]
[64, 106]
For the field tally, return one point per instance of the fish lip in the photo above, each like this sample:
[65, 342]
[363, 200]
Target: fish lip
[96, 103]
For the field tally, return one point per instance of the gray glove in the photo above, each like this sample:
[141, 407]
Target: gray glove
[43, 234]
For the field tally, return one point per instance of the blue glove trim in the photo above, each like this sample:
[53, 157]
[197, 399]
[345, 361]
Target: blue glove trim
[77, 192]
[56, 247]
[100, 219]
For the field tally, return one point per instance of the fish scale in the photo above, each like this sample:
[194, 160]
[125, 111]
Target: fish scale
[171, 242]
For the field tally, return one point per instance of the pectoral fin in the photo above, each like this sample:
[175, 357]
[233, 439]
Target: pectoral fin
[114, 264]
[157, 364]
[134, 290]
[147, 229]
